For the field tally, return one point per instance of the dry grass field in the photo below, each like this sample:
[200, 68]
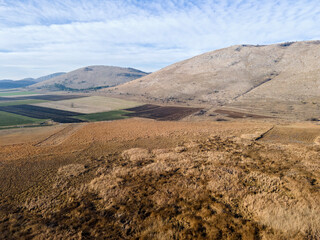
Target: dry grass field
[91, 104]
[294, 133]
[26, 135]
[144, 179]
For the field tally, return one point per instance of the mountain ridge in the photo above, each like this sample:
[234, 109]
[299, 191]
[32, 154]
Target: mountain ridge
[25, 82]
[90, 78]
[239, 66]
[241, 75]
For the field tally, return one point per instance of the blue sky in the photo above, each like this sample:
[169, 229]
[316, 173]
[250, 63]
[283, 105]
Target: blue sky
[39, 37]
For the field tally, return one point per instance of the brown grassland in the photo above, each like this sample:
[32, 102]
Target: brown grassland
[146, 179]
[92, 104]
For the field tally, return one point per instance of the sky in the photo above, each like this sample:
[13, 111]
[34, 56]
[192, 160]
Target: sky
[40, 37]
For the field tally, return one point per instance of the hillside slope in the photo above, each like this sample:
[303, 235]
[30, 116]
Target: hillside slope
[92, 77]
[287, 71]
[47, 77]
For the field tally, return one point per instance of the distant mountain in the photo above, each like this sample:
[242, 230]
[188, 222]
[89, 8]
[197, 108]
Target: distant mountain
[7, 83]
[47, 77]
[90, 78]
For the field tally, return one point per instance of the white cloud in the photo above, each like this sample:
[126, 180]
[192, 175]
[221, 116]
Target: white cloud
[41, 37]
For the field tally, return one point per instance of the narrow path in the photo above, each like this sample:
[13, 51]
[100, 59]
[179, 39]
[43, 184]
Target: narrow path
[58, 137]
[263, 134]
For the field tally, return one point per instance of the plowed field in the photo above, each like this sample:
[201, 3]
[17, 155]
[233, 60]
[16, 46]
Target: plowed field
[42, 113]
[162, 113]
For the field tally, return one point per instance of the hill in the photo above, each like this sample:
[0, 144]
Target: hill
[90, 78]
[47, 77]
[236, 76]
[7, 83]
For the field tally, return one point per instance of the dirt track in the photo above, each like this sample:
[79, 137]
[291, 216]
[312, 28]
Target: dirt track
[59, 137]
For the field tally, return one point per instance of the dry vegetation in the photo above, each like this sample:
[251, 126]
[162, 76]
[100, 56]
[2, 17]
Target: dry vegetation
[91, 104]
[90, 78]
[141, 179]
[230, 74]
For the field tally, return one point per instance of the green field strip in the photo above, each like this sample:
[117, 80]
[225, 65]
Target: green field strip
[3, 94]
[104, 116]
[10, 119]
[20, 102]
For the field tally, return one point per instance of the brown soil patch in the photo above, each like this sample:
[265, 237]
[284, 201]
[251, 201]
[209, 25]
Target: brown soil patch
[162, 113]
[235, 114]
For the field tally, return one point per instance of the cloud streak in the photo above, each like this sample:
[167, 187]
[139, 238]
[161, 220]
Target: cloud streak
[41, 37]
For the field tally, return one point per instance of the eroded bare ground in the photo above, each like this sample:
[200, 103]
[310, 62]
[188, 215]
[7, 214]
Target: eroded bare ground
[144, 179]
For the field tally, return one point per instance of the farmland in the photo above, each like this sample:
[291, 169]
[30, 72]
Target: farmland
[236, 114]
[162, 113]
[10, 119]
[104, 116]
[22, 110]
[41, 113]
[40, 97]
[20, 102]
[47, 97]
[78, 108]
[93, 104]
[15, 93]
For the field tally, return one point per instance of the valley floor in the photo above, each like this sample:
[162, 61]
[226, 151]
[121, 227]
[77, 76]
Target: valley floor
[146, 179]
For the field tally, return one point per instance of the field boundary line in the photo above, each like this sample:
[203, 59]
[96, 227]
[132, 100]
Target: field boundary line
[263, 134]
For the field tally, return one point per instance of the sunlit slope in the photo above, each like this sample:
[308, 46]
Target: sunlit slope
[280, 71]
[90, 78]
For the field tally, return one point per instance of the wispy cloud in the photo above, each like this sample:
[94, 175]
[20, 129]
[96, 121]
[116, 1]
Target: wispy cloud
[40, 36]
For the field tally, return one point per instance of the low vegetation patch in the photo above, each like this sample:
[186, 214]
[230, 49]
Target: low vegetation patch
[62, 87]
[42, 113]
[21, 102]
[14, 93]
[104, 116]
[10, 119]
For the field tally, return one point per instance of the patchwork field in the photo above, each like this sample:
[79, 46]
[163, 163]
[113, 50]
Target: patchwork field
[41, 113]
[15, 93]
[92, 104]
[237, 114]
[76, 108]
[11, 119]
[20, 102]
[146, 179]
[42, 97]
[104, 116]
[22, 110]
[162, 113]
